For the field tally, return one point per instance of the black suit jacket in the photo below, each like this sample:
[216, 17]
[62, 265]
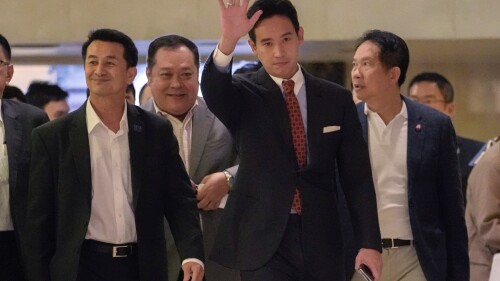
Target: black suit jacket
[253, 109]
[59, 201]
[19, 120]
[435, 199]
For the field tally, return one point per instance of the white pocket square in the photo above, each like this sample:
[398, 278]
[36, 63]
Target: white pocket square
[329, 129]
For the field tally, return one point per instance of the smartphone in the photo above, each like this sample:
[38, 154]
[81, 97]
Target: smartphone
[366, 273]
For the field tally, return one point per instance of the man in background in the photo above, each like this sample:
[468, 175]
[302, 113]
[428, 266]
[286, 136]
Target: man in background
[434, 90]
[414, 166]
[17, 120]
[104, 177]
[14, 93]
[49, 97]
[205, 145]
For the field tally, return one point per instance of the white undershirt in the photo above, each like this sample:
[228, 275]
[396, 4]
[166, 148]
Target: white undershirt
[112, 218]
[388, 154]
[183, 131]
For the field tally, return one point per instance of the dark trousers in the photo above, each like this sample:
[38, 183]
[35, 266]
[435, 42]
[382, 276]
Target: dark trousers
[10, 262]
[287, 264]
[97, 266]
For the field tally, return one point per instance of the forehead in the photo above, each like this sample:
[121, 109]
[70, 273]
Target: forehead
[180, 55]
[425, 88]
[367, 50]
[276, 25]
[106, 49]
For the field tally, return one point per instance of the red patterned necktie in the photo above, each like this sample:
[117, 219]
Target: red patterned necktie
[298, 133]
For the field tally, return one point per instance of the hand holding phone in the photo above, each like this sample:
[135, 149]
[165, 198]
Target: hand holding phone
[366, 272]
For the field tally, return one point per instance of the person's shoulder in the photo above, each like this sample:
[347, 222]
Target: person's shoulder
[149, 118]
[24, 109]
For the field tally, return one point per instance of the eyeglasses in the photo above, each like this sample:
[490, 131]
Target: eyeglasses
[5, 63]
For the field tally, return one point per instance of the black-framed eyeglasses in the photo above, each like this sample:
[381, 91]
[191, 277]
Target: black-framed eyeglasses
[6, 63]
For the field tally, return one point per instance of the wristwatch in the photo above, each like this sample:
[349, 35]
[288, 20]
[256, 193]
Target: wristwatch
[229, 179]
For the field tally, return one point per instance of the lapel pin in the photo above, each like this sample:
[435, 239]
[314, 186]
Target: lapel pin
[138, 128]
[418, 128]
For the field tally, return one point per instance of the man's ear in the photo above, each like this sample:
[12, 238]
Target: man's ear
[10, 73]
[449, 108]
[394, 74]
[252, 45]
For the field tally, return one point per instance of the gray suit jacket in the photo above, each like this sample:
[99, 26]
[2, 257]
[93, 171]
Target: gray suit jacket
[212, 150]
[19, 120]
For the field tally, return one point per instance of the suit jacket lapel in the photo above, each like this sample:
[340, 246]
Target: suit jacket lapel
[79, 143]
[13, 136]
[416, 138]
[315, 104]
[137, 143]
[202, 122]
[273, 97]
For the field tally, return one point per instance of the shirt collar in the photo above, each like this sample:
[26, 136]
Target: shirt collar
[298, 78]
[163, 113]
[93, 119]
[403, 113]
[1, 115]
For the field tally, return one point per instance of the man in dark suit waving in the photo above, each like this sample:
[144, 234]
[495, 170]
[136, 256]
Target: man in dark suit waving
[281, 220]
[414, 165]
[17, 120]
[104, 177]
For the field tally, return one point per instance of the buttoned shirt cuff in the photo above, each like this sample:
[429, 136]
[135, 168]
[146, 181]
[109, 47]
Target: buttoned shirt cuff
[194, 260]
[221, 61]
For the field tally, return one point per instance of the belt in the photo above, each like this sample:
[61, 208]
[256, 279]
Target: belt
[395, 243]
[115, 251]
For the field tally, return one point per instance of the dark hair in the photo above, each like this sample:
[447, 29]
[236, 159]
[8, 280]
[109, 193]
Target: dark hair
[130, 88]
[11, 92]
[442, 83]
[130, 53]
[5, 46]
[172, 41]
[393, 50]
[41, 93]
[248, 67]
[272, 8]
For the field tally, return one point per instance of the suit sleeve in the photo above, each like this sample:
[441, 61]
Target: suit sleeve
[220, 94]
[452, 206]
[356, 181]
[181, 209]
[38, 239]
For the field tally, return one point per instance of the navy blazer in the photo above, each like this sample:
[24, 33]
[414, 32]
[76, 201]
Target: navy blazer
[435, 199]
[252, 107]
[19, 120]
[60, 195]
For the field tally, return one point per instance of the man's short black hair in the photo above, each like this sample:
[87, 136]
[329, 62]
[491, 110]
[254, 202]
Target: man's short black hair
[6, 47]
[40, 94]
[110, 35]
[442, 83]
[272, 8]
[172, 41]
[393, 50]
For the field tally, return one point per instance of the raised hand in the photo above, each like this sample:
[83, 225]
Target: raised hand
[234, 23]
